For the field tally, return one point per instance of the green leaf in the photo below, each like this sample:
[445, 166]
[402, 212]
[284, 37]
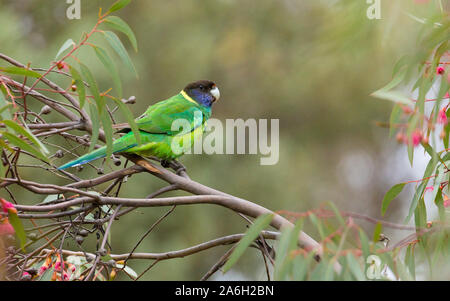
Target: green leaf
[118, 47]
[25, 132]
[300, 266]
[92, 86]
[20, 71]
[80, 86]
[394, 96]
[420, 214]
[18, 228]
[417, 195]
[390, 195]
[64, 47]
[118, 24]
[377, 232]
[337, 213]
[410, 260]
[95, 125]
[398, 78]
[412, 124]
[355, 267]
[364, 243]
[23, 145]
[288, 242]
[50, 198]
[252, 233]
[439, 201]
[130, 119]
[394, 119]
[118, 5]
[129, 271]
[316, 222]
[4, 107]
[110, 66]
[107, 127]
[47, 276]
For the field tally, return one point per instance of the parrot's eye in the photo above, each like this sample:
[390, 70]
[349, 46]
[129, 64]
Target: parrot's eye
[201, 87]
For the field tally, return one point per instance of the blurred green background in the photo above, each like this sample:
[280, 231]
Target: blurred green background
[311, 64]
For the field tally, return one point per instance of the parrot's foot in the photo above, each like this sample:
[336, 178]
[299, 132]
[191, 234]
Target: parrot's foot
[165, 163]
[175, 165]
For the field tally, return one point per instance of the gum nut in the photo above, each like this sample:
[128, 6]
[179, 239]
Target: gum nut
[45, 110]
[59, 154]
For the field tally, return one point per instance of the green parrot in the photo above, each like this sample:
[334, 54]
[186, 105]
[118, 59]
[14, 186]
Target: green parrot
[158, 137]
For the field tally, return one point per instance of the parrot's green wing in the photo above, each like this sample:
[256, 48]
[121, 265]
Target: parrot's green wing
[159, 117]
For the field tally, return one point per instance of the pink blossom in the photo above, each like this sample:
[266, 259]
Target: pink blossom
[416, 137]
[65, 276]
[442, 117]
[6, 228]
[42, 269]
[57, 265]
[72, 267]
[7, 206]
[447, 95]
[447, 203]
[429, 188]
[440, 70]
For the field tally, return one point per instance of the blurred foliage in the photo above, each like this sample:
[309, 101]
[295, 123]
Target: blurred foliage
[312, 64]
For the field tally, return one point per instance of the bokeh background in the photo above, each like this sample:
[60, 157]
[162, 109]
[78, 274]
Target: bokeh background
[311, 64]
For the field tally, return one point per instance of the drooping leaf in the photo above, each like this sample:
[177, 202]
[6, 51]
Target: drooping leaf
[394, 119]
[300, 267]
[252, 233]
[118, 47]
[288, 242]
[64, 47]
[364, 243]
[95, 125]
[92, 86]
[316, 222]
[80, 86]
[118, 5]
[111, 67]
[417, 195]
[23, 145]
[377, 232]
[107, 127]
[439, 201]
[14, 220]
[420, 215]
[20, 71]
[394, 96]
[412, 124]
[118, 24]
[355, 267]
[25, 132]
[337, 213]
[410, 260]
[4, 107]
[390, 195]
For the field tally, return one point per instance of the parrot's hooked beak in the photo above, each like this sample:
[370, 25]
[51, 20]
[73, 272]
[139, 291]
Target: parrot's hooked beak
[215, 92]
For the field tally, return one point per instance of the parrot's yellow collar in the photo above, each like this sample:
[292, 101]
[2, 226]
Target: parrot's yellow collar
[187, 97]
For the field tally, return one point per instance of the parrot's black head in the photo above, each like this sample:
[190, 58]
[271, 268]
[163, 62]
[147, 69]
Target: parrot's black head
[204, 92]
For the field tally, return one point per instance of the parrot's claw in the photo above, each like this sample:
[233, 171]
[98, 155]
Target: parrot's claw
[175, 165]
[165, 163]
